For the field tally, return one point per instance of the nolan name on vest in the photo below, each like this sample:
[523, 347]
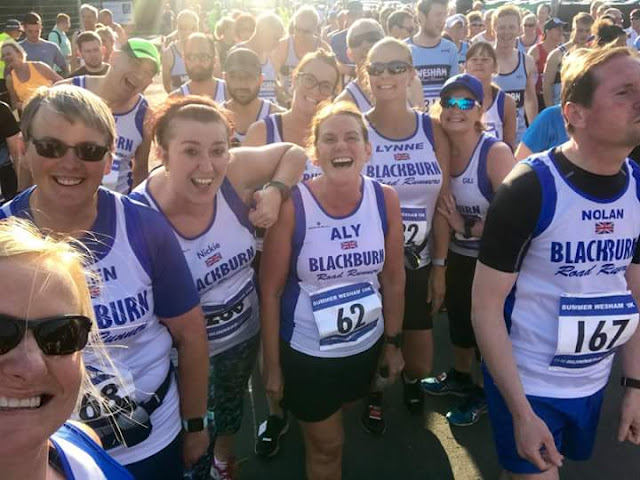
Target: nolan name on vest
[602, 214]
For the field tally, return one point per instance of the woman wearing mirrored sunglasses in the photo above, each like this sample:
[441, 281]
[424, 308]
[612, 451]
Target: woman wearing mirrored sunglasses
[499, 109]
[206, 191]
[478, 164]
[46, 320]
[146, 300]
[410, 153]
[315, 80]
[361, 36]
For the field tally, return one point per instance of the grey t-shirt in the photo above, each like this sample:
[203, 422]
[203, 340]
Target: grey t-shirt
[46, 52]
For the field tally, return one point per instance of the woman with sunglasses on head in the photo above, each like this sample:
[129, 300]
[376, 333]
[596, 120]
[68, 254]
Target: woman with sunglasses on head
[478, 165]
[315, 80]
[145, 301]
[205, 191]
[410, 153]
[361, 36]
[331, 288]
[46, 320]
[499, 109]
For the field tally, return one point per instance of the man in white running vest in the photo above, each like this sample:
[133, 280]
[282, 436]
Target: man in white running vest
[557, 284]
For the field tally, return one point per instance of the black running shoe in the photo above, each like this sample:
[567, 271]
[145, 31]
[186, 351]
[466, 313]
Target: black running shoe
[373, 415]
[269, 433]
[413, 396]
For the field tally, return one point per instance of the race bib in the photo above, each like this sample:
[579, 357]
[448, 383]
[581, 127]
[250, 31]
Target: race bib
[591, 327]
[429, 102]
[346, 315]
[414, 225]
[225, 321]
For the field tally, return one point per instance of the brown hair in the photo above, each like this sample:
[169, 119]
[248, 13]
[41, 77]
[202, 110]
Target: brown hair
[192, 107]
[86, 37]
[480, 47]
[579, 81]
[322, 55]
[506, 11]
[32, 18]
[424, 6]
[328, 110]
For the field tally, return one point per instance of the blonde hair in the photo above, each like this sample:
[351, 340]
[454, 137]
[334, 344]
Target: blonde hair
[506, 11]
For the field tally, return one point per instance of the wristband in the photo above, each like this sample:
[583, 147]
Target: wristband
[629, 382]
[395, 340]
[285, 190]
[439, 262]
[195, 424]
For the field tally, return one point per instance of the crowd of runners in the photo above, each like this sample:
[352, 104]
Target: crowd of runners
[321, 190]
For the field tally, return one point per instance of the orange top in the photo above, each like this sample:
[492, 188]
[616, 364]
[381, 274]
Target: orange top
[24, 90]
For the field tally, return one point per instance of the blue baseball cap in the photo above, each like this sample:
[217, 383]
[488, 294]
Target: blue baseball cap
[464, 80]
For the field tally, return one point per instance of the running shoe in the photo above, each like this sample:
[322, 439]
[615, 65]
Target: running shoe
[269, 433]
[223, 470]
[412, 396]
[373, 415]
[448, 383]
[470, 411]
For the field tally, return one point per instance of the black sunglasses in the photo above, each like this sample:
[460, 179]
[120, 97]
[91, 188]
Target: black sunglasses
[54, 148]
[395, 67]
[370, 37]
[59, 335]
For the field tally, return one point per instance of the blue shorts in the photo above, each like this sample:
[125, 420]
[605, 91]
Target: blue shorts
[572, 421]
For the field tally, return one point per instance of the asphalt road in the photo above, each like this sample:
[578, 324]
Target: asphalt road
[421, 447]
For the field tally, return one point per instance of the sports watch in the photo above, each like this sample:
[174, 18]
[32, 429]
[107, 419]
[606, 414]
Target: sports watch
[195, 424]
[395, 340]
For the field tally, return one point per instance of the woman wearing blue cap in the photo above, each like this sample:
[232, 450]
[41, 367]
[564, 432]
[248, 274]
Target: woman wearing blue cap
[478, 164]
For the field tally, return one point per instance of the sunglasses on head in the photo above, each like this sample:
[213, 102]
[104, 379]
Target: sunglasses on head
[54, 148]
[395, 67]
[369, 37]
[459, 102]
[59, 335]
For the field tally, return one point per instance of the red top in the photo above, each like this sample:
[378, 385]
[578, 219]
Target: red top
[542, 59]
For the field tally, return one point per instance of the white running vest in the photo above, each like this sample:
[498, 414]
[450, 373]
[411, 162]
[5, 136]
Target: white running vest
[219, 95]
[129, 130]
[515, 85]
[410, 166]
[359, 98]
[178, 70]
[493, 118]
[331, 306]
[473, 193]
[434, 65]
[569, 310]
[269, 81]
[263, 112]
[220, 263]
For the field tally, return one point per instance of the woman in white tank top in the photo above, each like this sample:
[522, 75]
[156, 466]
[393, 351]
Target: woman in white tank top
[336, 251]
[479, 163]
[206, 191]
[499, 109]
[411, 154]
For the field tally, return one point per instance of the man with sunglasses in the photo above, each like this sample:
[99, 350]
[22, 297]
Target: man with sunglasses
[131, 72]
[435, 59]
[243, 77]
[292, 48]
[529, 37]
[199, 60]
[401, 24]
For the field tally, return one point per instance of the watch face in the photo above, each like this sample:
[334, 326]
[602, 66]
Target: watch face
[194, 425]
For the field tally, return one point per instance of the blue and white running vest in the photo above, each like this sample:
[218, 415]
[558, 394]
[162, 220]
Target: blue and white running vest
[473, 193]
[273, 123]
[125, 302]
[269, 81]
[179, 70]
[83, 459]
[410, 166]
[219, 95]
[571, 308]
[522, 47]
[220, 263]
[331, 305]
[493, 118]
[462, 55]
[557, 82]
[263, 112]
[515, 85]
[129, 130]
[434, 65]
[358, 96]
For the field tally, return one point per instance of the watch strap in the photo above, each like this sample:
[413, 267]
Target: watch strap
[630, 382]
[195, 424]
[395, 340]
[285, 190]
